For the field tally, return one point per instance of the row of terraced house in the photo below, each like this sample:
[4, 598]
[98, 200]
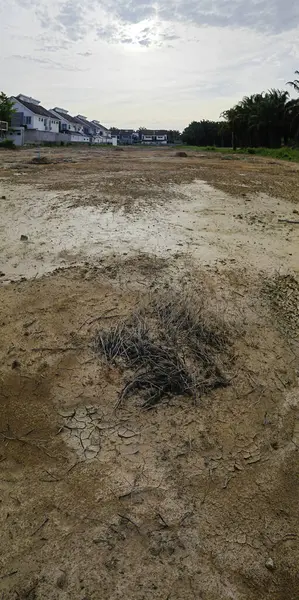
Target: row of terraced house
[31, 123]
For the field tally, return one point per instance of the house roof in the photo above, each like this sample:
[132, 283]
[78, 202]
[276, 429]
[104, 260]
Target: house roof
[126, 131]
[67, 117]
[154, 132]
[98, 125]
[37, 109]
[82, 120]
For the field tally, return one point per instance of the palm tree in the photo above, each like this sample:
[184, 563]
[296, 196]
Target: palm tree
[295, 83]
[258, 120]
[292, 109]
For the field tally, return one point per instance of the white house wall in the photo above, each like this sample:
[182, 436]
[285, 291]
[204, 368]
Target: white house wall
[16, 135]
[27, 113]
[37, 121]
[79, 138]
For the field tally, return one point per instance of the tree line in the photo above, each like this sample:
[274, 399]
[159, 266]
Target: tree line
[269, 119]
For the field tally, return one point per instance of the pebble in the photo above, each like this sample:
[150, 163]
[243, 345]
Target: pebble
[3, 197]
[24, 238]
[269, 564]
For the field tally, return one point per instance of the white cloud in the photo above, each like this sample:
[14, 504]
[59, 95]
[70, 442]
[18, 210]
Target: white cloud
[133, 62]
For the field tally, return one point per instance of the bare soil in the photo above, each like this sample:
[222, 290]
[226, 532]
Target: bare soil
[198, 497]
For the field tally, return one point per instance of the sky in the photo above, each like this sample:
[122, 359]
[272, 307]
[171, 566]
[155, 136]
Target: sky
[149, 63]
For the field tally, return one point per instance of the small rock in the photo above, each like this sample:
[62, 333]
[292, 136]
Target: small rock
[3, 197]
[15, 364]
[61, 580]
[24, 238]
[269, 564]
[295, 211]
[2, 274]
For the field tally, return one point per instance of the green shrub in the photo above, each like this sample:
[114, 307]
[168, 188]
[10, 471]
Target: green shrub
[251, 151]
[8, 144]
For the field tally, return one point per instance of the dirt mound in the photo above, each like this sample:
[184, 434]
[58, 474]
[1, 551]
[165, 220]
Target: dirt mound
[181, 154]
[41, 160]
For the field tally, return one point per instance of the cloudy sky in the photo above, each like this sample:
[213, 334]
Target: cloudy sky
[159, 63]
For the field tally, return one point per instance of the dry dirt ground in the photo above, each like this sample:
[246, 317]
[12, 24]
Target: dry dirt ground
[196, 498]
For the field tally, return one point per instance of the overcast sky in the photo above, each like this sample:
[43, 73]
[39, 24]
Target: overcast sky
[132, 63]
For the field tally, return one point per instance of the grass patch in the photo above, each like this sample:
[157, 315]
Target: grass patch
[8, 144]
[284, 153]
[168, 349]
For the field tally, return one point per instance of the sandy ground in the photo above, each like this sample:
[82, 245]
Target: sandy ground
[190, 500]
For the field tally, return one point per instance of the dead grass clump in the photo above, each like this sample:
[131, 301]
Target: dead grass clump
[169, 350]
[283, 293]
[40, 160]
[181, 154]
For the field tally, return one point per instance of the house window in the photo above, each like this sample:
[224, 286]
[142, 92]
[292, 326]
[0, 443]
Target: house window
[27, 120]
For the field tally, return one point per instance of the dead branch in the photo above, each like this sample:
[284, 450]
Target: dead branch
[41, 526]
[58, 349]
[125, 518]
[290, 221]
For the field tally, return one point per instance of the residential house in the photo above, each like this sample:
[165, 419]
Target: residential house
[87, 126]
[101, 132]
[149, 136]
[3, 128]
[31, 115]
[161, 136]
[97, 132]
[69, 126]
[125, 136]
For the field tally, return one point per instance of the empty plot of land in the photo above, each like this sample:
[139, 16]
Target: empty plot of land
[109, 202]
[149, 408]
